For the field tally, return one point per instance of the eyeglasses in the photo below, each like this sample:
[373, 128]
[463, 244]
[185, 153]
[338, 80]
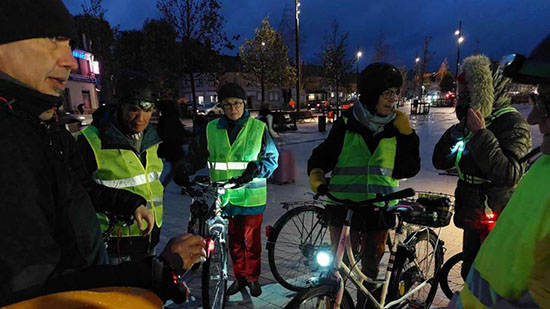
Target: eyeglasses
[541, 102]
[236, 105]
[390, 93]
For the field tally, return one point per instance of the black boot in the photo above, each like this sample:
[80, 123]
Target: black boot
[236, 286]
[255, 288]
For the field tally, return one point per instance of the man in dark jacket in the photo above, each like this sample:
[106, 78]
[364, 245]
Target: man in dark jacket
[484, 147]
[238, 146]
[51, 239]
[120, 151]
[373, 137]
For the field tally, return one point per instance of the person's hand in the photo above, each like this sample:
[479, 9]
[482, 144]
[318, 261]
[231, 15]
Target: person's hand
[182, 179]
[248, 175]
[142, 213]
[182, 252]
[401, 123]
[475, 121]
[317, 181]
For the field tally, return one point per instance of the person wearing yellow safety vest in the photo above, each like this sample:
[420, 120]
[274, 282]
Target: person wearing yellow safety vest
[368, 150]
[485, 148]
[51, 236]
[512, 268]
[240, 147]
[120, 151]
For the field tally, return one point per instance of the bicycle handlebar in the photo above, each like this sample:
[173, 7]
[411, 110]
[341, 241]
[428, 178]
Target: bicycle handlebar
[388, 197]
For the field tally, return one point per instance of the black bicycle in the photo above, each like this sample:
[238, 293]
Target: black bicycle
[209, 222]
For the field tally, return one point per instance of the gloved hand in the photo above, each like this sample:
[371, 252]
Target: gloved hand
[317, 181]
[249, 173]
[401, 122]
[182, 179]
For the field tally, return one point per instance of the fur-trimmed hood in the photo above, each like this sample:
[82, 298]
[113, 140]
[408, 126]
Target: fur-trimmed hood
[479, 79]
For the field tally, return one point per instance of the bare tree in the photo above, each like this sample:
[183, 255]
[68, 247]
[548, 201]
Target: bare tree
[381, 49]
[335, 58]
[266, 57]
[199, 26]
[94, 8]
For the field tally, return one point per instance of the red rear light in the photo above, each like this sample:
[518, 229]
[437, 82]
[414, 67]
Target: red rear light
[210, 246]
[268, 229]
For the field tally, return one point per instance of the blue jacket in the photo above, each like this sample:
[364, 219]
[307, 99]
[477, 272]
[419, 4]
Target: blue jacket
[268, 162]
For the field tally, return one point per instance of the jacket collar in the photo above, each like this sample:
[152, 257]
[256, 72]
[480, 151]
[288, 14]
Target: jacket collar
[224, 122]
[106, 121]
[25, 99]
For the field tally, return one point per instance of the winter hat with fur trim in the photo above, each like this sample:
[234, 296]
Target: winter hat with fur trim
[476, 82]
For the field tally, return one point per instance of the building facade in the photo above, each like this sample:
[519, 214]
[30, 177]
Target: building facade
[81, 92]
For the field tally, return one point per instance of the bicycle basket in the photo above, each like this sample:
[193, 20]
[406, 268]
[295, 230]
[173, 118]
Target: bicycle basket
[438, 209]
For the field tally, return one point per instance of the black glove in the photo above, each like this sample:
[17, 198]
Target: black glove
[322, 189]
[182, 179]
[249, 173]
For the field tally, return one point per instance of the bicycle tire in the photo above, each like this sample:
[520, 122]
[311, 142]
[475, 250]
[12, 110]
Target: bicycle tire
[291, 263]
[444, 280]
[196, 224]
[405, 274]
[214, 277]
[300, 301]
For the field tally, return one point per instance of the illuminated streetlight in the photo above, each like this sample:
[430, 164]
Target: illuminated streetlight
[359, 54]
[460, 39]
[417, 59]
[263, 43]
[457, 32]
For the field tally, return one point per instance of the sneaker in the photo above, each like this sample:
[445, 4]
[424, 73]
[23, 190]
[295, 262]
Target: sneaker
[255, 288]
[235, 287]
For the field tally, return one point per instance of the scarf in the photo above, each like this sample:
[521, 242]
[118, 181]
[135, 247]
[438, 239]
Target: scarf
[374, 123]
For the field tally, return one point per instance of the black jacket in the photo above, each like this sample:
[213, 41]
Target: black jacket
[491, 154]
[407, 157]
[51, 239]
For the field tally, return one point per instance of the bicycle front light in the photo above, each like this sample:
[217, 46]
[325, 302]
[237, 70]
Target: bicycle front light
[210, 246]
[324, 258]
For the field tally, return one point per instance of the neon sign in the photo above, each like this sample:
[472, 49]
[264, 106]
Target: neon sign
[80, 55]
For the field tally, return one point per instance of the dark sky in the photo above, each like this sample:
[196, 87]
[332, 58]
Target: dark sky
[495, 27]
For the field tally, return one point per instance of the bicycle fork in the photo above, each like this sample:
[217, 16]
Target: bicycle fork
[344, 234]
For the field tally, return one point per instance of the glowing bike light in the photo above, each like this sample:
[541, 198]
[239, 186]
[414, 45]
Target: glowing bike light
[323, 258]
[459, 146]
[210, 246]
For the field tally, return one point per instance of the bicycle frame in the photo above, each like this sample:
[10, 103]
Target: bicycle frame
[357, 276]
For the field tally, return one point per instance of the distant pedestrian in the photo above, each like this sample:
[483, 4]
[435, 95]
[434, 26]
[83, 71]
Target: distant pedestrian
[80, 108]
[292, 104]
[265, 116]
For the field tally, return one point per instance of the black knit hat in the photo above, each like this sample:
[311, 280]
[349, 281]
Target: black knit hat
[231, 90]
[534, 69]
[375, 79]
[136, 88]
[28, 19]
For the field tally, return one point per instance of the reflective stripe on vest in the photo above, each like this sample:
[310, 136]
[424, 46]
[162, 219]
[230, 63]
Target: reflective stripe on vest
[358, 175]
[122, 169]
[475, 180]
[226, 161]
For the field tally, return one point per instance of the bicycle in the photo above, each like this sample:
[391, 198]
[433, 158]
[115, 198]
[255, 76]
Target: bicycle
[292, 242]
[450, 278]
[210, 223]
[407, 272]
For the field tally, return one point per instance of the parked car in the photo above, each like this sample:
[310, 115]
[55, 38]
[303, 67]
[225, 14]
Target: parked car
[210, 109]
[73, 122]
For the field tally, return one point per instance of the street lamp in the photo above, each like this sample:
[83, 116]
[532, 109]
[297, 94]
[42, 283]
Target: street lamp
[297, 30]
[460, 39]
[359, 54]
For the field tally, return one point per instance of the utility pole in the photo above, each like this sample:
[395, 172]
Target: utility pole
[298, 66]
[423, 66]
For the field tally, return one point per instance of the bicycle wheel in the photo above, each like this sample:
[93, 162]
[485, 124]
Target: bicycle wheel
[319, 297]
[196, 224]
[419, 260]
[293, 243]
[214, 276]
[449, 276]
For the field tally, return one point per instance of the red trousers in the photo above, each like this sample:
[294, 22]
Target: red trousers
[245, 246]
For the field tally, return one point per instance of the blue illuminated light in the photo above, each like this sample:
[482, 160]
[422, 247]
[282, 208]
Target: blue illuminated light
[79, 55]
[459, 146]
